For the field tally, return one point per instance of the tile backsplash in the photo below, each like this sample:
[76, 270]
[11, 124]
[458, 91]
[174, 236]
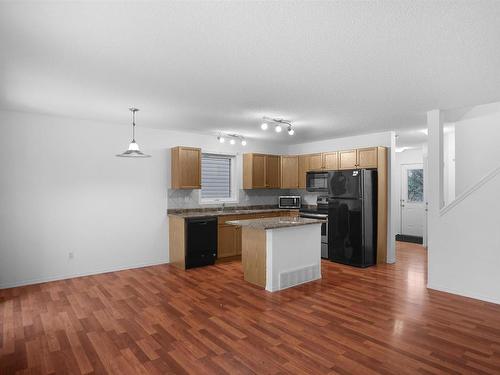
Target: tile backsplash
[185, 199]
[191, 198]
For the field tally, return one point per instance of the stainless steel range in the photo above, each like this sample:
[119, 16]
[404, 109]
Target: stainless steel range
[319, 212]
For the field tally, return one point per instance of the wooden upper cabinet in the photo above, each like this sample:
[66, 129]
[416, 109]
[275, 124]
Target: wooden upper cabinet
[315, 162]
[273, 180]
[360, 158]
[330, 160]
[261, 171]
[186, 168]
[303, 161]
[348, 159]
[289, 172]
[367, 157]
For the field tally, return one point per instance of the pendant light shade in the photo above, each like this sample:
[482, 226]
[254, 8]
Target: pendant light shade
[133, 149]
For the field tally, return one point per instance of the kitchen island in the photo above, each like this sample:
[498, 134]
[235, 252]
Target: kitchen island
[280, 252]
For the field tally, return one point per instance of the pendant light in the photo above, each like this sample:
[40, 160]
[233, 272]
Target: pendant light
[133, 149]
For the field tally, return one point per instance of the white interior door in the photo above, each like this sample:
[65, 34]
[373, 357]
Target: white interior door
[412, 200]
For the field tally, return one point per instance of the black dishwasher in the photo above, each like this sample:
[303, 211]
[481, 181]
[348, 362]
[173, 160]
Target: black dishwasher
[201, 241]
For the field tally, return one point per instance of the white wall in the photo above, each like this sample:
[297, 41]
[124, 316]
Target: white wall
[477, 136]
[449, 168]
[63, 190]
[387, 139]
[410, 156]
[463, 239]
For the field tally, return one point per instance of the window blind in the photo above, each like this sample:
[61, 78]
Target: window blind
[215, 176]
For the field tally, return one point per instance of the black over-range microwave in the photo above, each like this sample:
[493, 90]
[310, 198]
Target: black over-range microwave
[317, 181]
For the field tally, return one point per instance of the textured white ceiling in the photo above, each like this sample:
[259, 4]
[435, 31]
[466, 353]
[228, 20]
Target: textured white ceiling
[334, 68]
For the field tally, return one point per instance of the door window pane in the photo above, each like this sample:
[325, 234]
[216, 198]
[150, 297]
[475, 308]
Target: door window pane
[415, 185]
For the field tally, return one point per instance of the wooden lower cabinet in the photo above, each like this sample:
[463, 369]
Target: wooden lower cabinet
[227, 241]
[237, 243]
[229, 236]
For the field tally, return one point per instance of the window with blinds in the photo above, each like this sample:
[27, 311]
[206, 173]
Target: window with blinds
[216, 176]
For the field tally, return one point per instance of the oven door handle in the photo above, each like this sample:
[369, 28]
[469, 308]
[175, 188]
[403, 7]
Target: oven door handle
[314, 216]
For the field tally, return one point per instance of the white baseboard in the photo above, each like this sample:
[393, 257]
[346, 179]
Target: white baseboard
[479, 297]
[73, 275]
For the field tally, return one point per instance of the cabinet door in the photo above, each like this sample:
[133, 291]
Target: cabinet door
[302, 169]
[330, 160]
[185, 168]
[289, 172]
[190, 167]
[259, 171]
[273, 172]
[226, 241]
[348, 159]
[367, 157]
[237, 241]
[315, 162]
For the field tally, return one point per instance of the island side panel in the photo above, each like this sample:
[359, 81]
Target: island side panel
[253, 255]
[293, 249]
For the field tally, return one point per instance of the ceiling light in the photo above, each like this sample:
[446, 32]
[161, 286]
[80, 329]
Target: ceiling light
[425, 131]
[263, 126]
[221, 139]
[290, 130]
[133, 149]
[243, 142]
[277, 128]
[232, 141]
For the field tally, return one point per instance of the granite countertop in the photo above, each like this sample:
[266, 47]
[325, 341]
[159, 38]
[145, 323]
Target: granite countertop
[215, 212]
[275, 222]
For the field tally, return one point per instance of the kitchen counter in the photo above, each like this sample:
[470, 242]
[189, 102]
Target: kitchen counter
[275, 222]
[226, 212]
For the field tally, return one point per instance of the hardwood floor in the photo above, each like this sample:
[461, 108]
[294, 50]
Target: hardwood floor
[162, 320]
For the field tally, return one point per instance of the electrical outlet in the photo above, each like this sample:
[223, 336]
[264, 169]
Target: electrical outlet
[71, 255]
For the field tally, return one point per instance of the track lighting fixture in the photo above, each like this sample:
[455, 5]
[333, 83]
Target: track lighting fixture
[278, 124]
[232, 138]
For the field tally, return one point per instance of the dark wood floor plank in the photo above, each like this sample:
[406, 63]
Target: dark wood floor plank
[161, 320]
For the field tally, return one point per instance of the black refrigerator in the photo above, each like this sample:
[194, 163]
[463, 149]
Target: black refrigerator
[352, 217]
